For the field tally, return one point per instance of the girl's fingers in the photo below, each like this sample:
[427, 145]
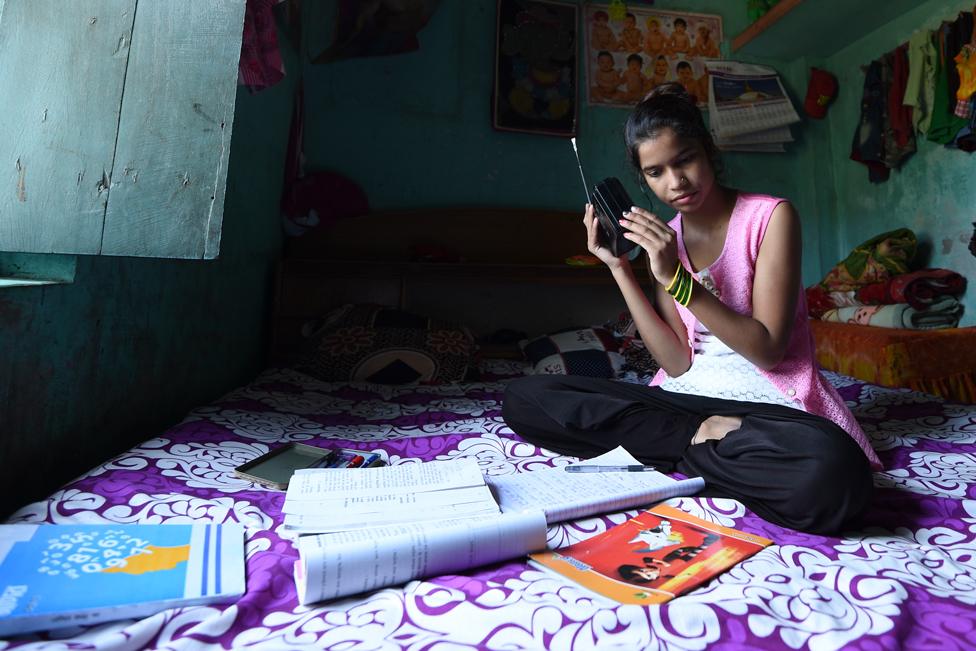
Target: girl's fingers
[589, 221]
[652, 229]
[641, 216]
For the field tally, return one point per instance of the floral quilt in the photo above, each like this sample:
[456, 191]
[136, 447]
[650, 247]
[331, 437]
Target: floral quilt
[905, 580]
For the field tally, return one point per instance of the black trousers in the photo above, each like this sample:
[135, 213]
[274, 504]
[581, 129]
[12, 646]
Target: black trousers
[790, 467]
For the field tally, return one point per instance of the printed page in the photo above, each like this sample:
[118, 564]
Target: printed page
[565, 496]
[326, 483]
[358, 512]
[744, 98]
[339, 564]
[336, 499]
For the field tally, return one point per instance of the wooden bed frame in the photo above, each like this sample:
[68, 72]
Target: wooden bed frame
[507, 270]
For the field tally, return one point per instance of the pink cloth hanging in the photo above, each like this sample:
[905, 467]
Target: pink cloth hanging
[261, 65]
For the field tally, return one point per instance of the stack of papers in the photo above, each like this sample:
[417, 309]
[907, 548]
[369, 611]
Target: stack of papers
[365, 529]
[749, 109]
[325, 500]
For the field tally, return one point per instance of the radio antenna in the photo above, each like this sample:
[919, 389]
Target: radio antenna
[579, 163]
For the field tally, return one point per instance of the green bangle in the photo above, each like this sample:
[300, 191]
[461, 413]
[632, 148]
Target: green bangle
[680, 288]
[674, 278]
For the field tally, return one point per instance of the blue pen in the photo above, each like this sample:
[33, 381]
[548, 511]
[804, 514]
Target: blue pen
[370, 459]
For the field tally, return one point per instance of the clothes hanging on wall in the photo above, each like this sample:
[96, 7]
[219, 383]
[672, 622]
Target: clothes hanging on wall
[884, 136]
[925, 86]
[261, 64]
[920, 85]
[898, 130]
[945, 125]
[966, 67]
[958, 34]
[366, 28]
[868, 144]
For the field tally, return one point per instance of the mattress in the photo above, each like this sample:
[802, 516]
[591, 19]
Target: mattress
[905, 579]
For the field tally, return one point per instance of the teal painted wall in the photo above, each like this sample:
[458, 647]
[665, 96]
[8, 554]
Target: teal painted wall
[93, 367]
[934, 191]
[415, 130]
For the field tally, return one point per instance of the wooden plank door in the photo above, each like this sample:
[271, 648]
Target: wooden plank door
[115, 124]
[174, 134]
[62, 66]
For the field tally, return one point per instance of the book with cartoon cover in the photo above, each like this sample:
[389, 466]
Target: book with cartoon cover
[57, 575]
[651, 558]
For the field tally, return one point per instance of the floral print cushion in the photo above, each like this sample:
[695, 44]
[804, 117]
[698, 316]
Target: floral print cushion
[384, 345]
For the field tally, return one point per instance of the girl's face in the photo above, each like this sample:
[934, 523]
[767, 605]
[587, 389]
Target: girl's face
[677, 170]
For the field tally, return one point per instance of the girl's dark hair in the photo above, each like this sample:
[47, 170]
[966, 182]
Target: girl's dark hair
[668, 106]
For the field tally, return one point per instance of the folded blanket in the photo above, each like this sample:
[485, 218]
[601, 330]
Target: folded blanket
[819, 300]
[918, 288]
[873, 261]
[944, 313]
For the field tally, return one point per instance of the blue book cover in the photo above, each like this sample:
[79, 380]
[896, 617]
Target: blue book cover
[57, 575]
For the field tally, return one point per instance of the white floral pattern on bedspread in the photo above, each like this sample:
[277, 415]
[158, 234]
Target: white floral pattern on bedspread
[905, 579]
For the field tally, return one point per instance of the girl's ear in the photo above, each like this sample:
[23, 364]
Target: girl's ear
[642, 184]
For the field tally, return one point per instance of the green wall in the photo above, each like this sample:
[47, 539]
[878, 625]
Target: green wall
[93, 367]
[414, 130]
[934, 191]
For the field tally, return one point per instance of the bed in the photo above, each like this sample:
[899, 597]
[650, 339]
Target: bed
[905, 578]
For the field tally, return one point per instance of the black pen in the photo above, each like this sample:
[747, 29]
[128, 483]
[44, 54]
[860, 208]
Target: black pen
[593, 468]
[325, 461]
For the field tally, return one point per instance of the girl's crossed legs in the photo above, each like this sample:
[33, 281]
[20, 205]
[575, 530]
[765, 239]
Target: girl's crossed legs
[790, 467]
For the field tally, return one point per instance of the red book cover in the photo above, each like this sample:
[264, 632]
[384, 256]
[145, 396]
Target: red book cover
[653, 557]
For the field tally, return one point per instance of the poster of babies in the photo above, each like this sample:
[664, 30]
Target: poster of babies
[627, 57]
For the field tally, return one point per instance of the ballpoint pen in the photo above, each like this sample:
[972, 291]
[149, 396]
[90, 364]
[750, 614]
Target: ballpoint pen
[324, 461]
[370, 460]
[593, 468]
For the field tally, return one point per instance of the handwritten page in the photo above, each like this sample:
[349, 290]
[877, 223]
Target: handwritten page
[565, 496]
[350, 562]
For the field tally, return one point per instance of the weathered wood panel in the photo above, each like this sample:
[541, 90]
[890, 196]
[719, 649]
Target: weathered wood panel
[62, 71]
[174, 133]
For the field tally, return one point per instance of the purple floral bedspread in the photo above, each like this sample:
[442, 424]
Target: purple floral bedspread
[906, 579]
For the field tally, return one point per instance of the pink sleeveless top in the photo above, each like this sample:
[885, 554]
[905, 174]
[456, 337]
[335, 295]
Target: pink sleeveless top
[797, 376]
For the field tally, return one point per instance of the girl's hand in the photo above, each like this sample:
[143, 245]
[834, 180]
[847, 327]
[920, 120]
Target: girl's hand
[657, 239]
[593, 244]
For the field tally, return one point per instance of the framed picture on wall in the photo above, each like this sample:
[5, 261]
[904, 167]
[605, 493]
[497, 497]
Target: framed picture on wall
[536, 67]
[628, 54]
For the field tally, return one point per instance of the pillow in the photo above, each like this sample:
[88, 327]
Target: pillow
[638, 363]
[577, 351]
[384, 345]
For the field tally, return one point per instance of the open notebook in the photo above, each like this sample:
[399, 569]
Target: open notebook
[414, 541]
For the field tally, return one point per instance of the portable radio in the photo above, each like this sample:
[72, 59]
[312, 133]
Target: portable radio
[610, 201]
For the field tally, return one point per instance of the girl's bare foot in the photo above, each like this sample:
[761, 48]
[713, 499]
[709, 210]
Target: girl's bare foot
[714, 428]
